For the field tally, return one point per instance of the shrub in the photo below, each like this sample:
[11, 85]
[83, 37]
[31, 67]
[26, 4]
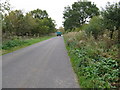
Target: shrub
[95, 27]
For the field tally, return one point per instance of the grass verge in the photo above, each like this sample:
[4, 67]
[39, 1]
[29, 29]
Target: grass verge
[92, 67]
[16, 44]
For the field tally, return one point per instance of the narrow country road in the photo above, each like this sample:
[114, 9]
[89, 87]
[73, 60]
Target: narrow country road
[42, 65]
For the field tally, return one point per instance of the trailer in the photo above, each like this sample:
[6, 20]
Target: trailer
[59, 33]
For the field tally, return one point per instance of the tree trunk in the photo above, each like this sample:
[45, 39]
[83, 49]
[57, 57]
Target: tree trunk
[111, 34]
[119, 45]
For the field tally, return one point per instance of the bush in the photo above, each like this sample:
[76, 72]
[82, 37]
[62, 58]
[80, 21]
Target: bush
[95, 27]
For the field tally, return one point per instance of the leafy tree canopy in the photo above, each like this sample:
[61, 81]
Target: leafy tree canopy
[40, 14]
[79, 13]
[4, 6]
[34, 23]
[111, 15]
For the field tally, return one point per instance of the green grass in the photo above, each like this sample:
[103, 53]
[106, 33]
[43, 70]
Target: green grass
[16, 44]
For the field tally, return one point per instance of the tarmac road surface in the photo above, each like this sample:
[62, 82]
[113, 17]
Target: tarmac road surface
[42, 65]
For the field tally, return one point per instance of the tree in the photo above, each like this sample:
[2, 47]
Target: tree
[45, 25]
[79, 14]
[51, 24]
[34, 23]
[111, 15]
[13, 22]
[61, 29]
[40, 14]
[29, 24]
[4, 6]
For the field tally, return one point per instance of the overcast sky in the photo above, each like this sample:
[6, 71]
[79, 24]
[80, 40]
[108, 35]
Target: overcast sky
[54, 8]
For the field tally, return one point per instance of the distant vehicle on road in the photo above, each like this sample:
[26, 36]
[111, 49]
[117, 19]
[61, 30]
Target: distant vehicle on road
[59, 33]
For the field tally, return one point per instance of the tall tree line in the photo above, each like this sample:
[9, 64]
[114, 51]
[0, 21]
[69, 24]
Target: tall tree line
[34, 23]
